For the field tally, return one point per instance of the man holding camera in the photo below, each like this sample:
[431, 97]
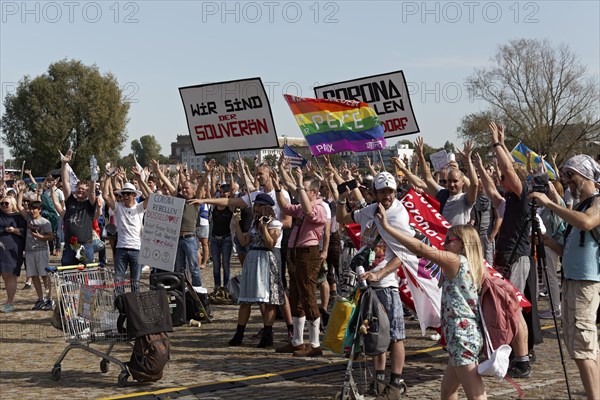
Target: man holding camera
[581, 266]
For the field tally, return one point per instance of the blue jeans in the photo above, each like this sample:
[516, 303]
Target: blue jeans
[221, 246]
[125, 257]
[187, 255]
[68, 255]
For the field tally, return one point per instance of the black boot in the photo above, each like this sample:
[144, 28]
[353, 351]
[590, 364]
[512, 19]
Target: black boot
[239, 336]
[267, 338]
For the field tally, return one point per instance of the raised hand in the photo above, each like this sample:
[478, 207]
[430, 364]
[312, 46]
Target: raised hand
[299, 176]
[419, 144]
[274, 178]
[67, 157]
[398, 163]
[467, 151]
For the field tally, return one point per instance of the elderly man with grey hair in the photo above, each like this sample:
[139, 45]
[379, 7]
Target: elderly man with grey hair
[581, 265]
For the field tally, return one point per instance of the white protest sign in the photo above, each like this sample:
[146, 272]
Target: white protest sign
[229, 116]
[162, 222]
[439, 160]
[387, 94]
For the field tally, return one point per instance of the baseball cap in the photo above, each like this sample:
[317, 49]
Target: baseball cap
[384, 180]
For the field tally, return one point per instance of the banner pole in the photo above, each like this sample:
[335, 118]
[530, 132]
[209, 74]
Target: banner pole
[245, 178]
[23, 170]
[381, 159]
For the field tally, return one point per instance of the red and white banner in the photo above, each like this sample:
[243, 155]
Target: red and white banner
[424, 216]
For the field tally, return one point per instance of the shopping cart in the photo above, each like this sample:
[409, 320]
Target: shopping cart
[86, 297]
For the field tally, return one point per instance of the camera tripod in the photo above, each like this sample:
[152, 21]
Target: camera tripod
[538, 252]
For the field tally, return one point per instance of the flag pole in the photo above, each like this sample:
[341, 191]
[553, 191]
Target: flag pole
[245, 177]
[381, 159]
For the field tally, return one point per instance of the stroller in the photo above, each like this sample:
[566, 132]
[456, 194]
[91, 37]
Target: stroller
[368, 330]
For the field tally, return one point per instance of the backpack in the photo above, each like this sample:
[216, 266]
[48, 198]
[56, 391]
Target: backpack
[149, 357]
[375, 329]
[500, 308]
[143, 313]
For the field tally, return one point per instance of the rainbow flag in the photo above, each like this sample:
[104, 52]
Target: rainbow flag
[519, 154]
[332, 126]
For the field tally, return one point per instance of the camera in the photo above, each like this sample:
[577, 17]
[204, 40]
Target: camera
[538, 183]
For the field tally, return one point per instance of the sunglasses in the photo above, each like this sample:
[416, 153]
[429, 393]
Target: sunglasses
[127, 194]
[4, 203]
[443, 181]
[569, 174]
[449, 239]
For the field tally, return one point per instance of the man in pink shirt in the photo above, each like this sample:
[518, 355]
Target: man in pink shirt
[304, 261]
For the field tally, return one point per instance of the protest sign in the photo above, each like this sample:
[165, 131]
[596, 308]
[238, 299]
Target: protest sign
[387, 94]
[229, 116]
[439, 159]
[162, 222]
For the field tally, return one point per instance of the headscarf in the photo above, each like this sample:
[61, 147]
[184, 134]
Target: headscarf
[585, 166]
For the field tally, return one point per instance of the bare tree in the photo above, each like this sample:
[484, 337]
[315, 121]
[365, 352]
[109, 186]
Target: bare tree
[543, 94]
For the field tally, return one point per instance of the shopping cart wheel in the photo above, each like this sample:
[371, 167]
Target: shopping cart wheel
[104, 365]
[56, 373]
[123, 378]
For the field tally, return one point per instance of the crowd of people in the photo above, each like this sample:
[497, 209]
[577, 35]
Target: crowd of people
[286, 225]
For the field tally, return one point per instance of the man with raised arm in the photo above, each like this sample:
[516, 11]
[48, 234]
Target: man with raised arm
[80, 208]
[187, 247]
[455, 205]
[304, 261]
[129, 216]
[581, 266]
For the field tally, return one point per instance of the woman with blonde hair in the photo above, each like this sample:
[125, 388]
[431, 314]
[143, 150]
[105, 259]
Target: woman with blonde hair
[463, 271]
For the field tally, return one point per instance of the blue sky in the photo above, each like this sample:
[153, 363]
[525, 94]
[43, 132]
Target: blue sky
[155, 47]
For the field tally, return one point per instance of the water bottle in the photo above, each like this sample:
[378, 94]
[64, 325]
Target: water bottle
[93, 168]
[362, 283]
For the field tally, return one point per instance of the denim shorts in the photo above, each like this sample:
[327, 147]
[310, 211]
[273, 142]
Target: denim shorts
[390, 299]
[202, 231]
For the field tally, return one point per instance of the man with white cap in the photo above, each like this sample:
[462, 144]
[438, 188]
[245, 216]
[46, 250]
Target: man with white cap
[129, 221]
[581, 266]
[384, 276]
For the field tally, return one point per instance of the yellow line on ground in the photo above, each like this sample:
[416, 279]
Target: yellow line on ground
[254, 377]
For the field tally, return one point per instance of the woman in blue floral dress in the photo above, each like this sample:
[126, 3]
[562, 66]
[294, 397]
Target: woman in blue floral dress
[261, 276]
[462, 264]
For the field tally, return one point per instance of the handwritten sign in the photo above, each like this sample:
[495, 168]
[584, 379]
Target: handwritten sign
[162, 222]
[229, 116]
[387, 94]
[440, 160]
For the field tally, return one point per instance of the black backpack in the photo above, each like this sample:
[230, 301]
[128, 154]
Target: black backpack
[145, 317]
[375, 329]
[149, 357]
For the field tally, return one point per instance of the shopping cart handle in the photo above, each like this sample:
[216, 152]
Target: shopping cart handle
[68, 267]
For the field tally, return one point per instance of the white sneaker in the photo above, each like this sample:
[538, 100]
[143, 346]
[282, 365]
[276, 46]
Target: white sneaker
[146, 269]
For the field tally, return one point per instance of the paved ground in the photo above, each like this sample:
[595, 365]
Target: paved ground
[202, 366]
